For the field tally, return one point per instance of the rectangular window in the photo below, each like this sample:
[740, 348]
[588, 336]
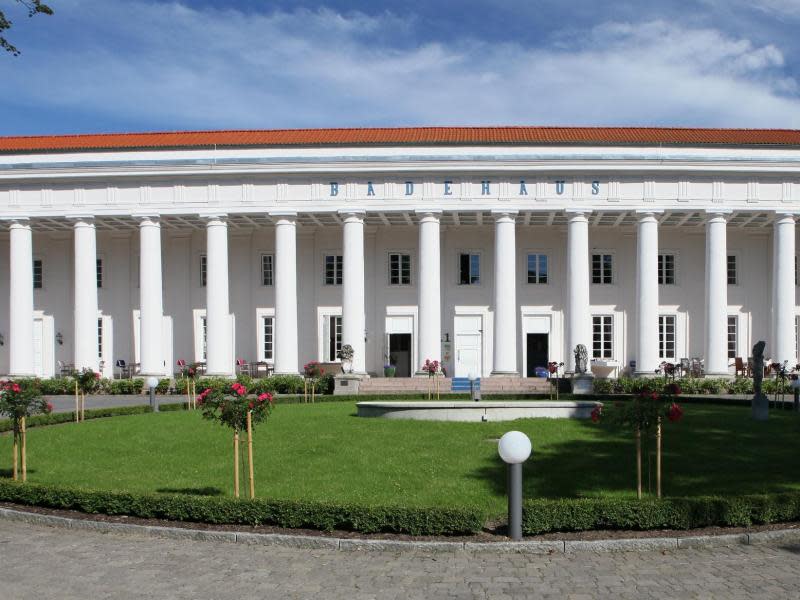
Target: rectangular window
[38, 274]
[469, 269]
[602, 337]
[666, 337]
[203, 266]
[399, 269]
[266, 269]
[666, 269]
[602, 268]
[333, 269]
[204, 333]
[335, 337]
[100, 338]
[269, 340]
[537, 268]
[732, 337]
[732, 279]
[99, 273]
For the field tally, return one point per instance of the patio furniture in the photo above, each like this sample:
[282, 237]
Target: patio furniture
[242, 367]
[261, 369]
[739, 368]
[685, 367]
[65, 369]
[697, 367]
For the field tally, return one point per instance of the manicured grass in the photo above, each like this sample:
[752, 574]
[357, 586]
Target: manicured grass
[323, 451]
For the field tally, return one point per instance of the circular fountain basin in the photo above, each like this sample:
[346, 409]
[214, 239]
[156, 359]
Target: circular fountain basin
[477, 411]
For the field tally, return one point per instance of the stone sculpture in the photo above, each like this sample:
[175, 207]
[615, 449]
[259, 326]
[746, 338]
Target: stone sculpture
[581, 359]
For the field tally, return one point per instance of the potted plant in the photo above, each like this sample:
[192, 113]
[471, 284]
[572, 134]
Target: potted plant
[389, 368]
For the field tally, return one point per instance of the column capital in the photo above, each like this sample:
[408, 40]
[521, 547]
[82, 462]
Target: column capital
[211, 217]
[504, 214]
[81, 217]
[644, 212]
[144, 218]
[17, 222]
[785, 215]
[428, 212]
[715, 213]
[352, 215]
[283, 214]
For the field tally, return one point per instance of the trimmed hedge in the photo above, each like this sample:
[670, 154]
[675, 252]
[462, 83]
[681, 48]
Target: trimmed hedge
[689, 385]
[582, 514]
[69, 417]
[326, 516]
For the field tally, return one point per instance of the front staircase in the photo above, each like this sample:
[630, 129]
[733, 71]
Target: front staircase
[488, 385]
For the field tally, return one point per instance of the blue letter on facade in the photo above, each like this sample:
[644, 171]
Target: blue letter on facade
[370, 190]
[447, 190]
[560, 187]
[334, 188]
[595, 188]
[409, 188]
[523, 190]
[485, 188]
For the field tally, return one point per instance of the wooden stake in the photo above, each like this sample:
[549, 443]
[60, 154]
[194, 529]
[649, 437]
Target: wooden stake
[639, 463]
[305, 389]
[250, 452]
[15, 450]
[77, 403]
[188, 394]
[236, 464]
[658, 458]
[83, 406]
[313, 391]
[23, 450]
[437, 387]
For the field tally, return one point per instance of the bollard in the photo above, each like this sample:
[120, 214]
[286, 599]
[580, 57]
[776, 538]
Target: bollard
[514, 448]
[152, 383]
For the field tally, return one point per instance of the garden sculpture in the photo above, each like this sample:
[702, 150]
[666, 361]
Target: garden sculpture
[760, 406]
[581, 359]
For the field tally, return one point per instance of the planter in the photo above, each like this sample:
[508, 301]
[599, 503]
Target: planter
[388, 371]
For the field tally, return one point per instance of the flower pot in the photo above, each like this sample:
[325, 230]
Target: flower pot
[388, 371]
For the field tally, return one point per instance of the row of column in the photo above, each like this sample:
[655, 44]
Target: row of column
[219, 321]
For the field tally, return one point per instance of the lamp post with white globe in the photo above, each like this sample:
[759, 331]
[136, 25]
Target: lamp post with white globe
[152, 384]
[514, 448]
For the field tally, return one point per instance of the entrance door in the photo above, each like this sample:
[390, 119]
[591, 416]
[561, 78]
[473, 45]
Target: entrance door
[537, 351]
[400, 353]
[469, 337]
[38, 349]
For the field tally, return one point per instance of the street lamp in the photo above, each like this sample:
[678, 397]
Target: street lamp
[474, 388]
[514, 448]
[152, 383]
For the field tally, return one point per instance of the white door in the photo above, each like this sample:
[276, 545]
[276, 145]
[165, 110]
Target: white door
[38, 354]
[468, 346]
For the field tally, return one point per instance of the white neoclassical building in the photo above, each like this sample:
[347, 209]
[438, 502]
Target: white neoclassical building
[494, 250]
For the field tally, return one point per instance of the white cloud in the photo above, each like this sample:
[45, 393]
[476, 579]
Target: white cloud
[173, 66]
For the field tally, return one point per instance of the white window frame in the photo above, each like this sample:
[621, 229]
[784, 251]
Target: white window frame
[602, 253]
[200, 335]
[603, 356]
[261, 315]
[538, 254]
[324, 313]
[661, 270]
[662, 342]
[33, 272]
[734, 351]
[735, 256]
[265, 255]
[471, 253]
[338, 268]
[401, 254]
[100, 272]
[203, 270]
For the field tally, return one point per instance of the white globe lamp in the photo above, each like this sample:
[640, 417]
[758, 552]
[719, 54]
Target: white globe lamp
[514, 447]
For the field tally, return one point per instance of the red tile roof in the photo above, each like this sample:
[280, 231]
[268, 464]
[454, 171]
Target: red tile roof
[601, 136]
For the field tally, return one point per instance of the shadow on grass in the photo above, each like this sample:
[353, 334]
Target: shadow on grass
[714, 450]
[192, 491]
[9, 473]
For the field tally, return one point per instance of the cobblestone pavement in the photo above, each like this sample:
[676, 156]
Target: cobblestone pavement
[41, 563]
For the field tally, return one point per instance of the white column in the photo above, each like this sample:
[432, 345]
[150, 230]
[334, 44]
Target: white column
[286, 352]
[716, 330]
[783, 302]
[20, 326]
[353, 298]
[647, 359]
[429, 289]
[219, 354]
[85, 316]
[505, 294]
[151, 304]
[579, 330]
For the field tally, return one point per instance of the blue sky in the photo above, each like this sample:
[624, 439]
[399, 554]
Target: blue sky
[142, 65]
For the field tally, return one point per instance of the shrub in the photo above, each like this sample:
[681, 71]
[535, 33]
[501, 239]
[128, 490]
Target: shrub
[116, 387]
[603, 386]
[69, 417]
[56, 387]
[326, 516]
[582, 514]
[163, 385]
[280, 384]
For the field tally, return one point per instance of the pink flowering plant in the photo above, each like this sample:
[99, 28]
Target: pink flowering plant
[313, 370]
[229, 406]
[88, 380]
[431, 367]
[18, 401]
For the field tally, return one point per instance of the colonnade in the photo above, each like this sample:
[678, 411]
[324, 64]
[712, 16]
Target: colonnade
[504, 361]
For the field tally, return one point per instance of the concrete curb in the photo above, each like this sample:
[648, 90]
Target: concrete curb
[370, 545]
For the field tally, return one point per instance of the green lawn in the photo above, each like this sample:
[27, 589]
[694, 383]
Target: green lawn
[323, 451]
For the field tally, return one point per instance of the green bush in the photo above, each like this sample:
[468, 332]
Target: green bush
[118, 387]
[57, 387]
[326, 516]
[281, 384]
[163, 385]
[69, 417]
[582, 514]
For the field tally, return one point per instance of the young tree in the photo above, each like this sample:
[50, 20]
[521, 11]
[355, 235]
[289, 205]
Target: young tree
[34, 7]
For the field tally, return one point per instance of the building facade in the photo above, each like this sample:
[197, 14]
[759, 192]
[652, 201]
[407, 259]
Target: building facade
[494, 250]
